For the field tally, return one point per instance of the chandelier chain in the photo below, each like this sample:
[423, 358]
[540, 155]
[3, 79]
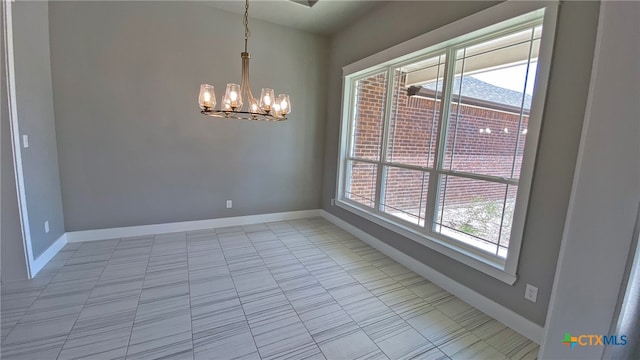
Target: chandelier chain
[246, 24]
[268, 108]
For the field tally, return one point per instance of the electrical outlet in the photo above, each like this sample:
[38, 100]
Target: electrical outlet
[229, 204]
[46, 226]
[25, 141]
[333, 202]
[531, 293]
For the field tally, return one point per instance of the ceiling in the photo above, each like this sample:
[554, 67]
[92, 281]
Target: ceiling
[325, 17]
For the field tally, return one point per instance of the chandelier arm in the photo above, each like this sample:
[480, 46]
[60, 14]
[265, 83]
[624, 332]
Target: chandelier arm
[242, 115]
[255, 112]
[245, 86]
[248, 82]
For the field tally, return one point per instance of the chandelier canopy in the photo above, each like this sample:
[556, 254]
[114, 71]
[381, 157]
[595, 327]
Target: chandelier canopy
[237, 98]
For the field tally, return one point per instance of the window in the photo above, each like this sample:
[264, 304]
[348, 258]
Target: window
[435, 143]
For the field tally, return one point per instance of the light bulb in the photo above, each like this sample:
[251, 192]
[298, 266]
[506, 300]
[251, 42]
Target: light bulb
[226, 104]
[506, 130]
[253, 106]
[232, 95]
[207, 97]
[481, 131]
[487, 130]
[266, 99]
[276, 110]
[524, 132]
[284, 103]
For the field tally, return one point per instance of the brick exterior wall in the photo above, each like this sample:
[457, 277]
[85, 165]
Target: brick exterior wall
[412, 140]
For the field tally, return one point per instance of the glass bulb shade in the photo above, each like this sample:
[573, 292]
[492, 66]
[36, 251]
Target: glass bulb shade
[284, 103]
[233, 96]
[254, 108]
[276, 110]
[267, 99]
[207, 97]
[226, 104]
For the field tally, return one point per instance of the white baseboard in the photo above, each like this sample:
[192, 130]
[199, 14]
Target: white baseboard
[143, 230]
[46, 256]
[504, 315]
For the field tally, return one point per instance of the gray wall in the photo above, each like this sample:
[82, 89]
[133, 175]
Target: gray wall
[133, 146]
[36, 119]
[12, 262]
[562, 123]
[604, 203]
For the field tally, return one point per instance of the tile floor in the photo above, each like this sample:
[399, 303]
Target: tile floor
[301, 289]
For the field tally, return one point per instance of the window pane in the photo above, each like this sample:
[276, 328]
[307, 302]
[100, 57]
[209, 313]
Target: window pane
[368, 115]
[491, 98]
[510, 204]
[415, 111]
[405, 194]
[472, 211]
[361, 182]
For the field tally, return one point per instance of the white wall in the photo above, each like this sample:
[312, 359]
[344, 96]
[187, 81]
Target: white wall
[606, 191]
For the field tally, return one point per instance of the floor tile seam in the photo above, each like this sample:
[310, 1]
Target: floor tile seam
[235, 289]
[376, 296]
[334, 299]
[285, 293]
[495, 348]
[138, 301]
[469, 330]
[193, 347]
[19, 321]
[85, 302]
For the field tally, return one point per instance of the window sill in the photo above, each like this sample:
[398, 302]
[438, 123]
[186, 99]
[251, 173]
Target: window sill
[484, 264]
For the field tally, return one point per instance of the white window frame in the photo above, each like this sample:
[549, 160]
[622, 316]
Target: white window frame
[487, 23]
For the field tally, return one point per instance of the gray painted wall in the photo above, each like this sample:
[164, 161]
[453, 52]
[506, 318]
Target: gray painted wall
[35, 117]
[559, 138]
[133, 146]
[606, 193]
[12, 262]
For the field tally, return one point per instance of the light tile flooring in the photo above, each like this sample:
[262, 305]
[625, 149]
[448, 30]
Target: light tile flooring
[301, 289]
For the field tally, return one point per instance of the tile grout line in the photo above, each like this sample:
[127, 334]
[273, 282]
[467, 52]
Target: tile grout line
[37, 296]
[372, 294]
[282, 290]
[406, 288]
[467, 329]
[193, 347]
[334, 299]
[235, 289]
[85, 302]
[309, 236]
[140, 296]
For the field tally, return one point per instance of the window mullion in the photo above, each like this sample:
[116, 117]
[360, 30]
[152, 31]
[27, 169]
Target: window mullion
[524, 95]
[433, 192]
[385, 137]
[352, 91]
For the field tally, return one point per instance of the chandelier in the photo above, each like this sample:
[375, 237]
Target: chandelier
[237, 98]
